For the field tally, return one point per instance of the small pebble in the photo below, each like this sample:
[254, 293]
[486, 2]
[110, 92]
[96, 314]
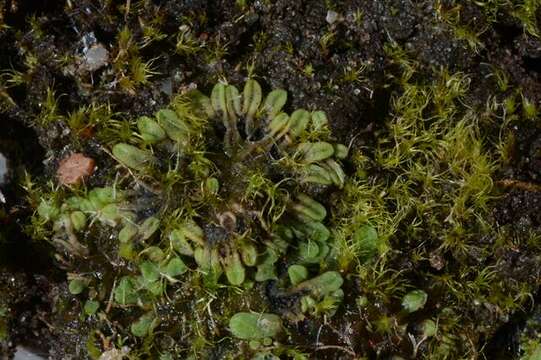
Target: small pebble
[114, 354]
[437, 261]
[26, 354]
[3, 169]
[96, 57]
[74, 169]
[166, 86]
[331, 17]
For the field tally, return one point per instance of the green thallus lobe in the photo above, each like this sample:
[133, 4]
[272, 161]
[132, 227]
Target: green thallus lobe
[224, 206]
[253, 128]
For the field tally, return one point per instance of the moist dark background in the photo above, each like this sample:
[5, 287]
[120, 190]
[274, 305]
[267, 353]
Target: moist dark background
[291, 55]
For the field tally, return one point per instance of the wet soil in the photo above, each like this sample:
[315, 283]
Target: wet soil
[288, 44]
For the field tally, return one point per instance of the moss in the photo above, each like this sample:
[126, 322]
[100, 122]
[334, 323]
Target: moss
[426, 190]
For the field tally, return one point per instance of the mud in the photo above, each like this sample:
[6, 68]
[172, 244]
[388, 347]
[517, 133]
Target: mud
[342, 68]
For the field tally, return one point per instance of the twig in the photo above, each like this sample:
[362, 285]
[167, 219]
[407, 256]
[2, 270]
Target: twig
[128, 5]
[518, 184]
[336, 347]
[110, 302]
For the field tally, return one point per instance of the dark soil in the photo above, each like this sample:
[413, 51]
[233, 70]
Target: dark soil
[282, 40]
